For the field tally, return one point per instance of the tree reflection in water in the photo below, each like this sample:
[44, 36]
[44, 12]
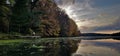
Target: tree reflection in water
[46, 47]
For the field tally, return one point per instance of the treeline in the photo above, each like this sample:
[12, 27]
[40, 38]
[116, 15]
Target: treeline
[40, 16]
[116, 35]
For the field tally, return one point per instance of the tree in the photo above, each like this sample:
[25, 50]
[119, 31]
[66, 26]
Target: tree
[48, 24]
[41, 16]
[20, 16]
[4, 11]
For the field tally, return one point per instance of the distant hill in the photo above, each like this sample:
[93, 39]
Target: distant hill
[116, 34]
[101, 36]
[94, 34]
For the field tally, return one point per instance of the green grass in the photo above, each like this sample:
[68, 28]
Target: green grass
[4, 36]
[13, 41]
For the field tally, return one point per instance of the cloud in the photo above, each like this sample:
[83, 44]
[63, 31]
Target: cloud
[108, 31]
[78, 9]
[93, 15]
[114, 26]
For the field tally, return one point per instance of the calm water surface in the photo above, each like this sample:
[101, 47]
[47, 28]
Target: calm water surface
[103, 47]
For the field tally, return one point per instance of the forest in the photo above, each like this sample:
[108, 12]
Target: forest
[44, 17]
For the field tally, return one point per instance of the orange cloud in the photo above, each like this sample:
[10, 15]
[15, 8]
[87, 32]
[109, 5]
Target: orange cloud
[108, 31]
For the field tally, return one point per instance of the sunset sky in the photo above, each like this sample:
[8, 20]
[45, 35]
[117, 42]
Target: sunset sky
[101, 16]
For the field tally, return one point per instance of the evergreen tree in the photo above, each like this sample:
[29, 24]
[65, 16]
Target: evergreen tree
[21, 18]
[4, 11]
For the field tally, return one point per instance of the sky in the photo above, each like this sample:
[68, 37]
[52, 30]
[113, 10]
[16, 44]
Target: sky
[96, 16]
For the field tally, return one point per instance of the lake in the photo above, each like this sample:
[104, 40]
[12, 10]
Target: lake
[103, 47]
[73, 46]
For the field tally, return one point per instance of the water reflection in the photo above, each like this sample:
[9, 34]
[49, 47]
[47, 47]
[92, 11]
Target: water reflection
[40, 47]
[100, 47]
[74, 46]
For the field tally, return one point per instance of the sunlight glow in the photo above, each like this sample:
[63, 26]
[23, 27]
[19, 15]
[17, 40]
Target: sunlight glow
[69, 11]
[73, 16]
[108, 31]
